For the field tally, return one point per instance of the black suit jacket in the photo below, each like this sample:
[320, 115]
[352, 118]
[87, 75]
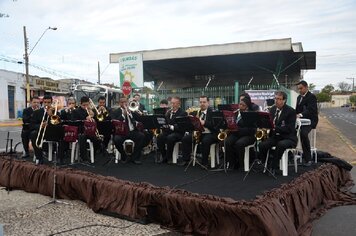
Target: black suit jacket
[79, 114]
[243, 129]
[116, 114]
[208, 119]
[26, 117]
[308, 107]
[171, 120]
[285, 124]
[36, 119]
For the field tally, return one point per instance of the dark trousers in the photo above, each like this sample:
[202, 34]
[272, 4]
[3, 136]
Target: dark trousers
[137, 137]
[37, 151]
[82, 141]
[206, 141]
[26, 136]
[304, 139]
[63, 150]
[280, 144]
[170, 139]
[235, 148]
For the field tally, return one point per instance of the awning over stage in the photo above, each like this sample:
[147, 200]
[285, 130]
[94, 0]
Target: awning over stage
[190, 66]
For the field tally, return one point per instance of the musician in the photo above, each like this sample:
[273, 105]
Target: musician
[123, 113]
[306, 108]
[141, 107]
[26, 119]
[66, 113]
[163, 103]
[82, 113]
[236, 142]
[254, 106]
[283, 135]
[208, 137]
[170, 134]
[104, 127]
[37, 117]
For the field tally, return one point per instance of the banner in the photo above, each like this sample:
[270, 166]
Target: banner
[131, 69]
[260, 96]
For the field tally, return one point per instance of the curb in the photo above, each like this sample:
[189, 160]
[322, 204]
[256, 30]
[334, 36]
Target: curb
[10, 124]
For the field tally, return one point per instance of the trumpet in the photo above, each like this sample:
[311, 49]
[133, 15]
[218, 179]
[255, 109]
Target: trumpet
[42, 130]
[97, 134]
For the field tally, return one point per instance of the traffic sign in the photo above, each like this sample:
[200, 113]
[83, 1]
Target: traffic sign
[126, 88]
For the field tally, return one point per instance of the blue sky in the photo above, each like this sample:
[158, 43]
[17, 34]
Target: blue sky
[89, 30]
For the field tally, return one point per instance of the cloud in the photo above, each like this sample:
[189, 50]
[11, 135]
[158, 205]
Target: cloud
[89, 30]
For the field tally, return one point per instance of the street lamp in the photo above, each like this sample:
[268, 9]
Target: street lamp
[26, 59]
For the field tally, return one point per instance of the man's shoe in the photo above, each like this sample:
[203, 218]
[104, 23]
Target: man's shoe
[308, 163]
[137, 162]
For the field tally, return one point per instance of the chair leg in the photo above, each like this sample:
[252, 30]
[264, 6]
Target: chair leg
[212, 155]
[117, 155]
[266, 162]
[73, 151]
[91, 148]
[247, 158]
[175, 152]
[285, 163]
[50, 150]
[217, 149]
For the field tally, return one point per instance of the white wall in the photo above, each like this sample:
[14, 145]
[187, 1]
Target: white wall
[14, 79]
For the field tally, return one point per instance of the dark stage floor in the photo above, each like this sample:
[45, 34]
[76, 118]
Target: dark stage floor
[195, 179]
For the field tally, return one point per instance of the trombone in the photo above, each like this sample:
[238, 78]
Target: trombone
[42, 130]
[97, 134]
[99, 115]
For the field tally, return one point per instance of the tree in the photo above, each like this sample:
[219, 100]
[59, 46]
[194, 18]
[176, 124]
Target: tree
[311, 86]
[323, 97]
[328, 89]
[343, 86]
[353, 99]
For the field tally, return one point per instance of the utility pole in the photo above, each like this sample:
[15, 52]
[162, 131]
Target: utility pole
[353, 84]
[26, 68]
[98, 72]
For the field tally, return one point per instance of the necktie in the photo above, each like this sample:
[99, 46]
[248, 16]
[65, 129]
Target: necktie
[202, 116]
[301, 99]
[276, 117]
[172, 114]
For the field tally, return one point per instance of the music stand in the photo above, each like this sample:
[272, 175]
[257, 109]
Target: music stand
[54, 133]
[160, 110]
[259, 120]
[190, 124]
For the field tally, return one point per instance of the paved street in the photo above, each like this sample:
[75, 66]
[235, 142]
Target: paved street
[15, 134]
[344, 120]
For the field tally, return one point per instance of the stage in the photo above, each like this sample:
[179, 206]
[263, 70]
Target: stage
[193, 202]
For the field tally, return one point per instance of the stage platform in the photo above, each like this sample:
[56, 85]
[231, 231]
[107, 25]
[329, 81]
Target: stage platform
[195, 201]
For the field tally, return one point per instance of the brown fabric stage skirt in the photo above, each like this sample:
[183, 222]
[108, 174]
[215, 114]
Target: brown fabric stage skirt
[288, 210]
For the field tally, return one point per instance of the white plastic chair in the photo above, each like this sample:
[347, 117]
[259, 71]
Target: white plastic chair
[214, 154]
[313, 149]
[247, 156]
[175, 152]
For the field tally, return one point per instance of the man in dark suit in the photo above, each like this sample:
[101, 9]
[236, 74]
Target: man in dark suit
[84, 113]
[171, 134]
[66, 113]
[141, 107]
[208, 136]
[283, 135]
[104, 127]
[123, 113]
[38, 116]
[306, 108]
[26, 119]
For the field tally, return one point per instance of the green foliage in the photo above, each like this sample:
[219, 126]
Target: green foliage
[328, 89]
[311, 86]
[323, 97]
[353, 99]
